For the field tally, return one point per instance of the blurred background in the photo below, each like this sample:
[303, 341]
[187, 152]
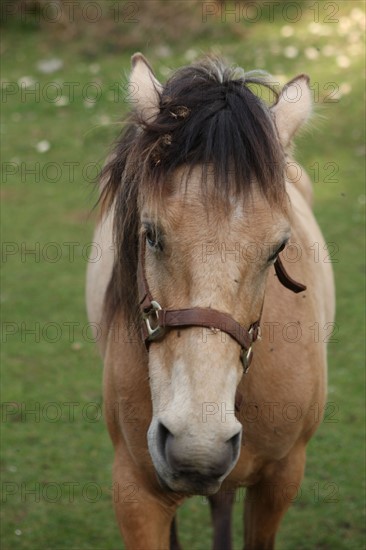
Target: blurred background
[64, 95]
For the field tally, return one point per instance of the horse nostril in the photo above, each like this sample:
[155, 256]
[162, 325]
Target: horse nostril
[163, 435]
[235, 444]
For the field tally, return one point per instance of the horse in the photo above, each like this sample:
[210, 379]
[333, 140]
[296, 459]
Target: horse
[204, 297]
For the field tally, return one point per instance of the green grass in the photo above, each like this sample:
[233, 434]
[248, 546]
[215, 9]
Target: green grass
[49, 456]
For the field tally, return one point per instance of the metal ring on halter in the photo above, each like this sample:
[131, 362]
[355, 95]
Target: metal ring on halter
[151, 317]
[246, 356]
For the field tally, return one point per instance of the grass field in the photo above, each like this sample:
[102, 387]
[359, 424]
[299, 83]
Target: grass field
[56, 128]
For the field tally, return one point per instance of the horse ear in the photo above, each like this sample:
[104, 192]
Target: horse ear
[293, 108]
[145, 88]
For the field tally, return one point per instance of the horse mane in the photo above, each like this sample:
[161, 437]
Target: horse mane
[209, 117]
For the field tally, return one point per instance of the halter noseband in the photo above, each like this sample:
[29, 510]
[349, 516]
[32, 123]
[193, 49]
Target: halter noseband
[156, 320]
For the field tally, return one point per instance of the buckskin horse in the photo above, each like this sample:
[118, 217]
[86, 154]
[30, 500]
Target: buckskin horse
[206, 229]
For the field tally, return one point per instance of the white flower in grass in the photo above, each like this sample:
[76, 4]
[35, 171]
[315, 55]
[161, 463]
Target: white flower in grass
[43, 146]
[291, 52]
[344, 25]
[49, 66]
[360, 151]
[18, 532]
[191, 55]
[319, 29]
[89, 103]
[358, 16]
[103, 120]
[76, 346]
[314, 28]
[94, 68]
[287, 31]
[26, 81]
[163, 51]
[311, 53]
[345, 88]
[62, 101]
[343, 61]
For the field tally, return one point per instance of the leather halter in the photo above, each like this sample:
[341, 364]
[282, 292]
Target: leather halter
[156, 320]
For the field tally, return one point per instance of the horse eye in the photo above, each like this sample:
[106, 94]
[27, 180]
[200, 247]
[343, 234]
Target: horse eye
[153, 238]
[274, 256]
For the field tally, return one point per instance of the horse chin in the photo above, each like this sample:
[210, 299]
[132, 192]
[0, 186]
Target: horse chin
[189, 485]
[192, 483]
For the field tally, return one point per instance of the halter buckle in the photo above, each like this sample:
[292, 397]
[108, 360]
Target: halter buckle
[151, 318]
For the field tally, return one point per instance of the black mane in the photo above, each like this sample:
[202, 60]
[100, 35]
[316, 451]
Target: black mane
[207, 117]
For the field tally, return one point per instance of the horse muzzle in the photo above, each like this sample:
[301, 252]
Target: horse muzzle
[192, 464]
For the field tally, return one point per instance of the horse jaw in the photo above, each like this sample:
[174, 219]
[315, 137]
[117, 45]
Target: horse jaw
[293, 108]
[146, 89]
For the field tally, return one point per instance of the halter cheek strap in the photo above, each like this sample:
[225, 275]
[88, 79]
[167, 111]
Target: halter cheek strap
[285, 278]
[156, 320]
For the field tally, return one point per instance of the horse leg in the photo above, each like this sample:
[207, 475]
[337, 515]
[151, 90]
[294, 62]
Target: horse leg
[174, 542]
[143, 518]
[221, 505]
[267, 501]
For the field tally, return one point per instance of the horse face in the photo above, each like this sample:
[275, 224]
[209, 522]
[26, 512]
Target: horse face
[199, 256]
